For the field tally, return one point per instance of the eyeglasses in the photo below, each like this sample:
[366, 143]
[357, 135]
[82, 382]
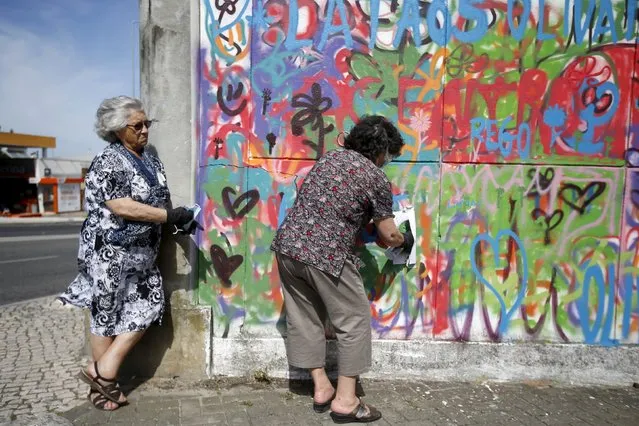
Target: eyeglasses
[140, 125]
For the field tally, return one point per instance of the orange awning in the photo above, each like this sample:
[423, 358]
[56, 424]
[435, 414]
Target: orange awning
[26, 141]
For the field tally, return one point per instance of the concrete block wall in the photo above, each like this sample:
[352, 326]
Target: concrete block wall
[181, 345]
[520, 121]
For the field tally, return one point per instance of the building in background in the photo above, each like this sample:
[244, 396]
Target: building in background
[31, 183]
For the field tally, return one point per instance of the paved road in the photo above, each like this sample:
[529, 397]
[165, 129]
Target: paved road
[36, 260]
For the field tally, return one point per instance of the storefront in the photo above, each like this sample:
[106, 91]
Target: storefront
[59, 185]
[31, 183]
[17, 194]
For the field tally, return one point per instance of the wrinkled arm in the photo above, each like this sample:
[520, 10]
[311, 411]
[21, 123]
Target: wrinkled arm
[389, 233]
[133, 210]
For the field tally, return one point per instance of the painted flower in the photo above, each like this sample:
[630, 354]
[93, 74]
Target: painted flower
[420, 122]
[554, 116]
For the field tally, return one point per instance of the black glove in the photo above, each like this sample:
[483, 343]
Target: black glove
[409, 240]
[179, 216]
[192, 227]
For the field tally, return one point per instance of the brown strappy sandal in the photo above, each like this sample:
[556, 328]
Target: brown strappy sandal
[99, 401]
[111, 391]
[363, 413]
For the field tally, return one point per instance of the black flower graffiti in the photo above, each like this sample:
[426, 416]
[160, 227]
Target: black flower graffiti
[312, 107]
[463, 59]
[226, 6]
[219, 143]
[266, 100]
[271, 139]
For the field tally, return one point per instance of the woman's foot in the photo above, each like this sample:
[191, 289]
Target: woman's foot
[101, 402]
[110, 385]
[322, 398]
[323, 394]
[360, 413]
[343, 405]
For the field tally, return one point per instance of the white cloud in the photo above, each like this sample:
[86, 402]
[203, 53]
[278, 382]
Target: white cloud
[48, 87]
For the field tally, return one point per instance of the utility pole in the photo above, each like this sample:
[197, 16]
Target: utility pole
[133, 44]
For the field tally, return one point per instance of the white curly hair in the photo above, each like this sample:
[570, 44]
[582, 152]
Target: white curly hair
[113, 115]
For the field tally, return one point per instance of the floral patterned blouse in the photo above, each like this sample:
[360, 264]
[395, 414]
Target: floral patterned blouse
[119, 280]
[340, 195]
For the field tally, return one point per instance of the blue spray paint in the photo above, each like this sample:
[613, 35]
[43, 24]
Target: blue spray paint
[329, 28]
[213, 31]
[518, 32]
[441, 36]
[580, 29]
[601, 325]
[587, 144]
[541, 35]
[524, 150]
[292, 43]
[470, 12]
[501, 141]
[409, 20]
[374, 23]
[605, 12]
[628, 281]
[506, 314]
[631, 13]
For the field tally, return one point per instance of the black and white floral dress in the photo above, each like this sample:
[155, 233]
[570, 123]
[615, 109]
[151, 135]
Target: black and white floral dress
[118, 278]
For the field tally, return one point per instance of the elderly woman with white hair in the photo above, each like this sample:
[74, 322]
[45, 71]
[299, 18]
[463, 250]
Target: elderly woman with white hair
[127, 200]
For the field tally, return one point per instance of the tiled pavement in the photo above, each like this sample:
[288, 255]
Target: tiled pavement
[41, 350]
[250, 403]
[41, 346]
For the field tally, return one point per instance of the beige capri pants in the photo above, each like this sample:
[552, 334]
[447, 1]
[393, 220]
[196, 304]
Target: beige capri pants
[309, 295]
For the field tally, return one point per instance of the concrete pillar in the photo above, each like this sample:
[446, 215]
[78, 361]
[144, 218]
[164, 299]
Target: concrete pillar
[180, 347]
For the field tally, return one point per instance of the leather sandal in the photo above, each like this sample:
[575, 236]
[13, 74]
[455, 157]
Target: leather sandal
[111, 390]
[99, 401]
[363, 413]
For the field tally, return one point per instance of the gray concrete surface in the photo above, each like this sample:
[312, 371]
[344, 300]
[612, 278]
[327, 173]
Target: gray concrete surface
[167, 90]
[573, 364]
[41, 346]
[226, 402]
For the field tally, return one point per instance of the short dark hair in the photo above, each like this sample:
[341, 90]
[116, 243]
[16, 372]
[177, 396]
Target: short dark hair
[374, 135]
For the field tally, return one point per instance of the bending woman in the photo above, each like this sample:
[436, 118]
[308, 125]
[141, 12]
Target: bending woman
[319, 272]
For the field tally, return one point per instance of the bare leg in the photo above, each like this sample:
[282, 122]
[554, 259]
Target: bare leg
[109, 363]
[323, 388]
[345, 399]
[99, 345]
[113, 356]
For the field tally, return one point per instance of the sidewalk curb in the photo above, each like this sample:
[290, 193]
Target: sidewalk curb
[53, 298]
[38, 220]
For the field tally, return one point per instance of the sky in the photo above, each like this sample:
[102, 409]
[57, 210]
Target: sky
[58, 60]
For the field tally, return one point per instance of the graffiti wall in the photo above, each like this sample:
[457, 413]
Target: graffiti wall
[520, 119]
